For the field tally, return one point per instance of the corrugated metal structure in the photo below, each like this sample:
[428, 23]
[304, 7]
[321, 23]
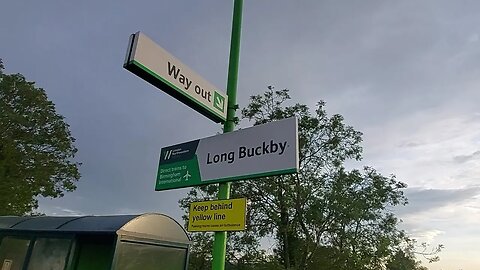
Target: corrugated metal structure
[148, 241]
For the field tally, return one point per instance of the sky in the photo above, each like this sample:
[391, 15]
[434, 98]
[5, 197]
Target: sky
[405, 73]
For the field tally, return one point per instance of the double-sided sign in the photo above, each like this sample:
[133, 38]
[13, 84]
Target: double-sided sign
[263, 150]
[152, 63]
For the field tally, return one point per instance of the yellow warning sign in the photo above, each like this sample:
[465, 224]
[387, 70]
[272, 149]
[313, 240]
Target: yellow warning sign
[220, 215]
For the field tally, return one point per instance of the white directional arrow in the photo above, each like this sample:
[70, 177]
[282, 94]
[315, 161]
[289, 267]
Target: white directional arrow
[219, 102]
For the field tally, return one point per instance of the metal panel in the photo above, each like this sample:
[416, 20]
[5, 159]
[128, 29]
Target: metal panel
[155, 226]
[260, 151]
[147, 226]
[7, 222]
[97, 223]
[13, 252]
[135, 255]
[43, 223]
[154, 64]
[49, 254]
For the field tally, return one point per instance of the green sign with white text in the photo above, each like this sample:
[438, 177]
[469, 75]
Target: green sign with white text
[259, 151]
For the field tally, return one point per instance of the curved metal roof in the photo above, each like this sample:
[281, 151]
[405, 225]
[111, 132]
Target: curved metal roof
[156, 226]
[66, 224]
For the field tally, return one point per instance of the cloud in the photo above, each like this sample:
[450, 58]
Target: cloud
[410, 144]
[423, 235]
[443, 216]
[127, 211]
[465, 158]
[62, 211]
[423, 200]
[431, 148]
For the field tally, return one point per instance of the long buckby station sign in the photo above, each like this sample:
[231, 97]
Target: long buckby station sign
[263, 150]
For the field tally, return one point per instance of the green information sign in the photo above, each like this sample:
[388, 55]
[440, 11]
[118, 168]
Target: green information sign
[155, 65]
[259, 151]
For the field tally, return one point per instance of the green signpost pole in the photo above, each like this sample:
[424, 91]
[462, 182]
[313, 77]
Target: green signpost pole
[220, 242]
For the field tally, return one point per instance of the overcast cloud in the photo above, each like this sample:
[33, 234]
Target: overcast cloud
[405, 73]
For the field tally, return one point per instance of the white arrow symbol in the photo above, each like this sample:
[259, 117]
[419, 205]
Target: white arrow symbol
[219, 102]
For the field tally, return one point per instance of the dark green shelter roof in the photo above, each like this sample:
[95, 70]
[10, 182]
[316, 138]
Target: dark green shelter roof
[66, 224]
[154, 226]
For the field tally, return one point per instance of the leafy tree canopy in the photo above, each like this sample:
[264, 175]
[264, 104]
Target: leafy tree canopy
[36, 147]
[325, 216]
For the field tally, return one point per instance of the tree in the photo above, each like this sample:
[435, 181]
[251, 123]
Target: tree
[324, 213]
[324, 205]
[402, 261]
[36, 147]
[405, 257]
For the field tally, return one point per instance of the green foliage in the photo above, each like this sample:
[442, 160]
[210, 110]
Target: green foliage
[324, 217]
[405, 257]
[36, 147]
[424, 250]
[402, 261]
[324, 205]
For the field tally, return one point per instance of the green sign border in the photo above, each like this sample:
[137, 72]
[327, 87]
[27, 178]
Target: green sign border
[150, 76]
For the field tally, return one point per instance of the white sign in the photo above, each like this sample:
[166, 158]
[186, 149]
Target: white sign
[152, 63]
[259, 151]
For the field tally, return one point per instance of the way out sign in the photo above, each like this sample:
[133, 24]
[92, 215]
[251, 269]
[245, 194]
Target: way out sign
[263, 150]
[219, 215]
[155, 65]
